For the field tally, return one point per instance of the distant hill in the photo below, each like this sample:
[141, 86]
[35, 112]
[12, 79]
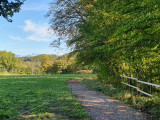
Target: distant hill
[37, 58]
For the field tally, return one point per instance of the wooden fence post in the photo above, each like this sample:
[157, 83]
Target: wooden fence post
[150, 76]
[151, 87]
[130, 81]
[138, 87]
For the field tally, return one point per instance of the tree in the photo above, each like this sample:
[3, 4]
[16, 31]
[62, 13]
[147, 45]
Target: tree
[116, 36]
[8, 8]
[8, 61]
[46, 63]
[68, 15]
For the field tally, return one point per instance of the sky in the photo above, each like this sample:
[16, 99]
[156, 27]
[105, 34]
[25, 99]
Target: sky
[28, 33]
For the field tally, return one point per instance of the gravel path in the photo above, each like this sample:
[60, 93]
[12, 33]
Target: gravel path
[101, 107]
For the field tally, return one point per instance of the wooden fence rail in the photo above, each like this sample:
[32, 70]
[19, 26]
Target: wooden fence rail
[137, 87]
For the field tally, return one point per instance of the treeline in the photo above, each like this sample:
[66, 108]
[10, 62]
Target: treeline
[40, 64]
[62, 64]
[8, 61]
[118, 37]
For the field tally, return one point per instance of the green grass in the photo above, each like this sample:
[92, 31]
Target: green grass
[39, 97]
[143, 103]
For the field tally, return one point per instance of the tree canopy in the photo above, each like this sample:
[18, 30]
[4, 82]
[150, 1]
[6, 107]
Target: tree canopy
[7, 61]
[118, 37]
[8, 8]
[66, 16]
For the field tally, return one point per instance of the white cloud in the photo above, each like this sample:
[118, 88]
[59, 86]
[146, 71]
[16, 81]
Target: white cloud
[30, 26]
[38, 39]
[61, 53]
[39, 31]
[15, 38]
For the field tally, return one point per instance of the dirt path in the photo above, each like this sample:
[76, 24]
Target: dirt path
[101, 107]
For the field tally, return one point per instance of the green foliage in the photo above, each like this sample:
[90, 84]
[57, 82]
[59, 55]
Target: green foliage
[68, 14]
[117, 37]
[59, 66]
[37, 58]
[64, 65]
[8, 8]
[44, 97]
[40, 64]
[8, 61]
[46, 63]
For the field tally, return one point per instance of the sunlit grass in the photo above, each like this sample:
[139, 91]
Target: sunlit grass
[38, 97]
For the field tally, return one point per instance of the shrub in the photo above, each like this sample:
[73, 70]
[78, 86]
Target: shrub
[84, 72]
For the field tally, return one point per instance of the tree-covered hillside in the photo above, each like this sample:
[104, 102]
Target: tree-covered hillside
[39, 64]
[36, 58]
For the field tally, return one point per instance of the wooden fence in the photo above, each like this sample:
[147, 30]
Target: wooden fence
[138, 86]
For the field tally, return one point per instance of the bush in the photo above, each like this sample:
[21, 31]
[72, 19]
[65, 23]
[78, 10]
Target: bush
[84, 72]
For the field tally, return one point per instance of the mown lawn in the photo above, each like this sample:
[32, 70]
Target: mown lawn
[39, 97]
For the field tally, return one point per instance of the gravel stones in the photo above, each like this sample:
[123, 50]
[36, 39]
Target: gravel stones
[101, 107]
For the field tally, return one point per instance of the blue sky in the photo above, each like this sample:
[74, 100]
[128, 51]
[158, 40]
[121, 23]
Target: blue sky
[28, 33]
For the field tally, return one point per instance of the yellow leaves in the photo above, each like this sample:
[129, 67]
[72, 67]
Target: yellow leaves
[124, 36]
[127, 95]
[42, 115]
[125, 66]
[88, 3]
[89, 6]
[111, 40]
[155, 48]
[46, 63]
[106, 14]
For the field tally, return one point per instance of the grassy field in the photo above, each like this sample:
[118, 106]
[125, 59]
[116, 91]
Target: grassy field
[39, 97]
